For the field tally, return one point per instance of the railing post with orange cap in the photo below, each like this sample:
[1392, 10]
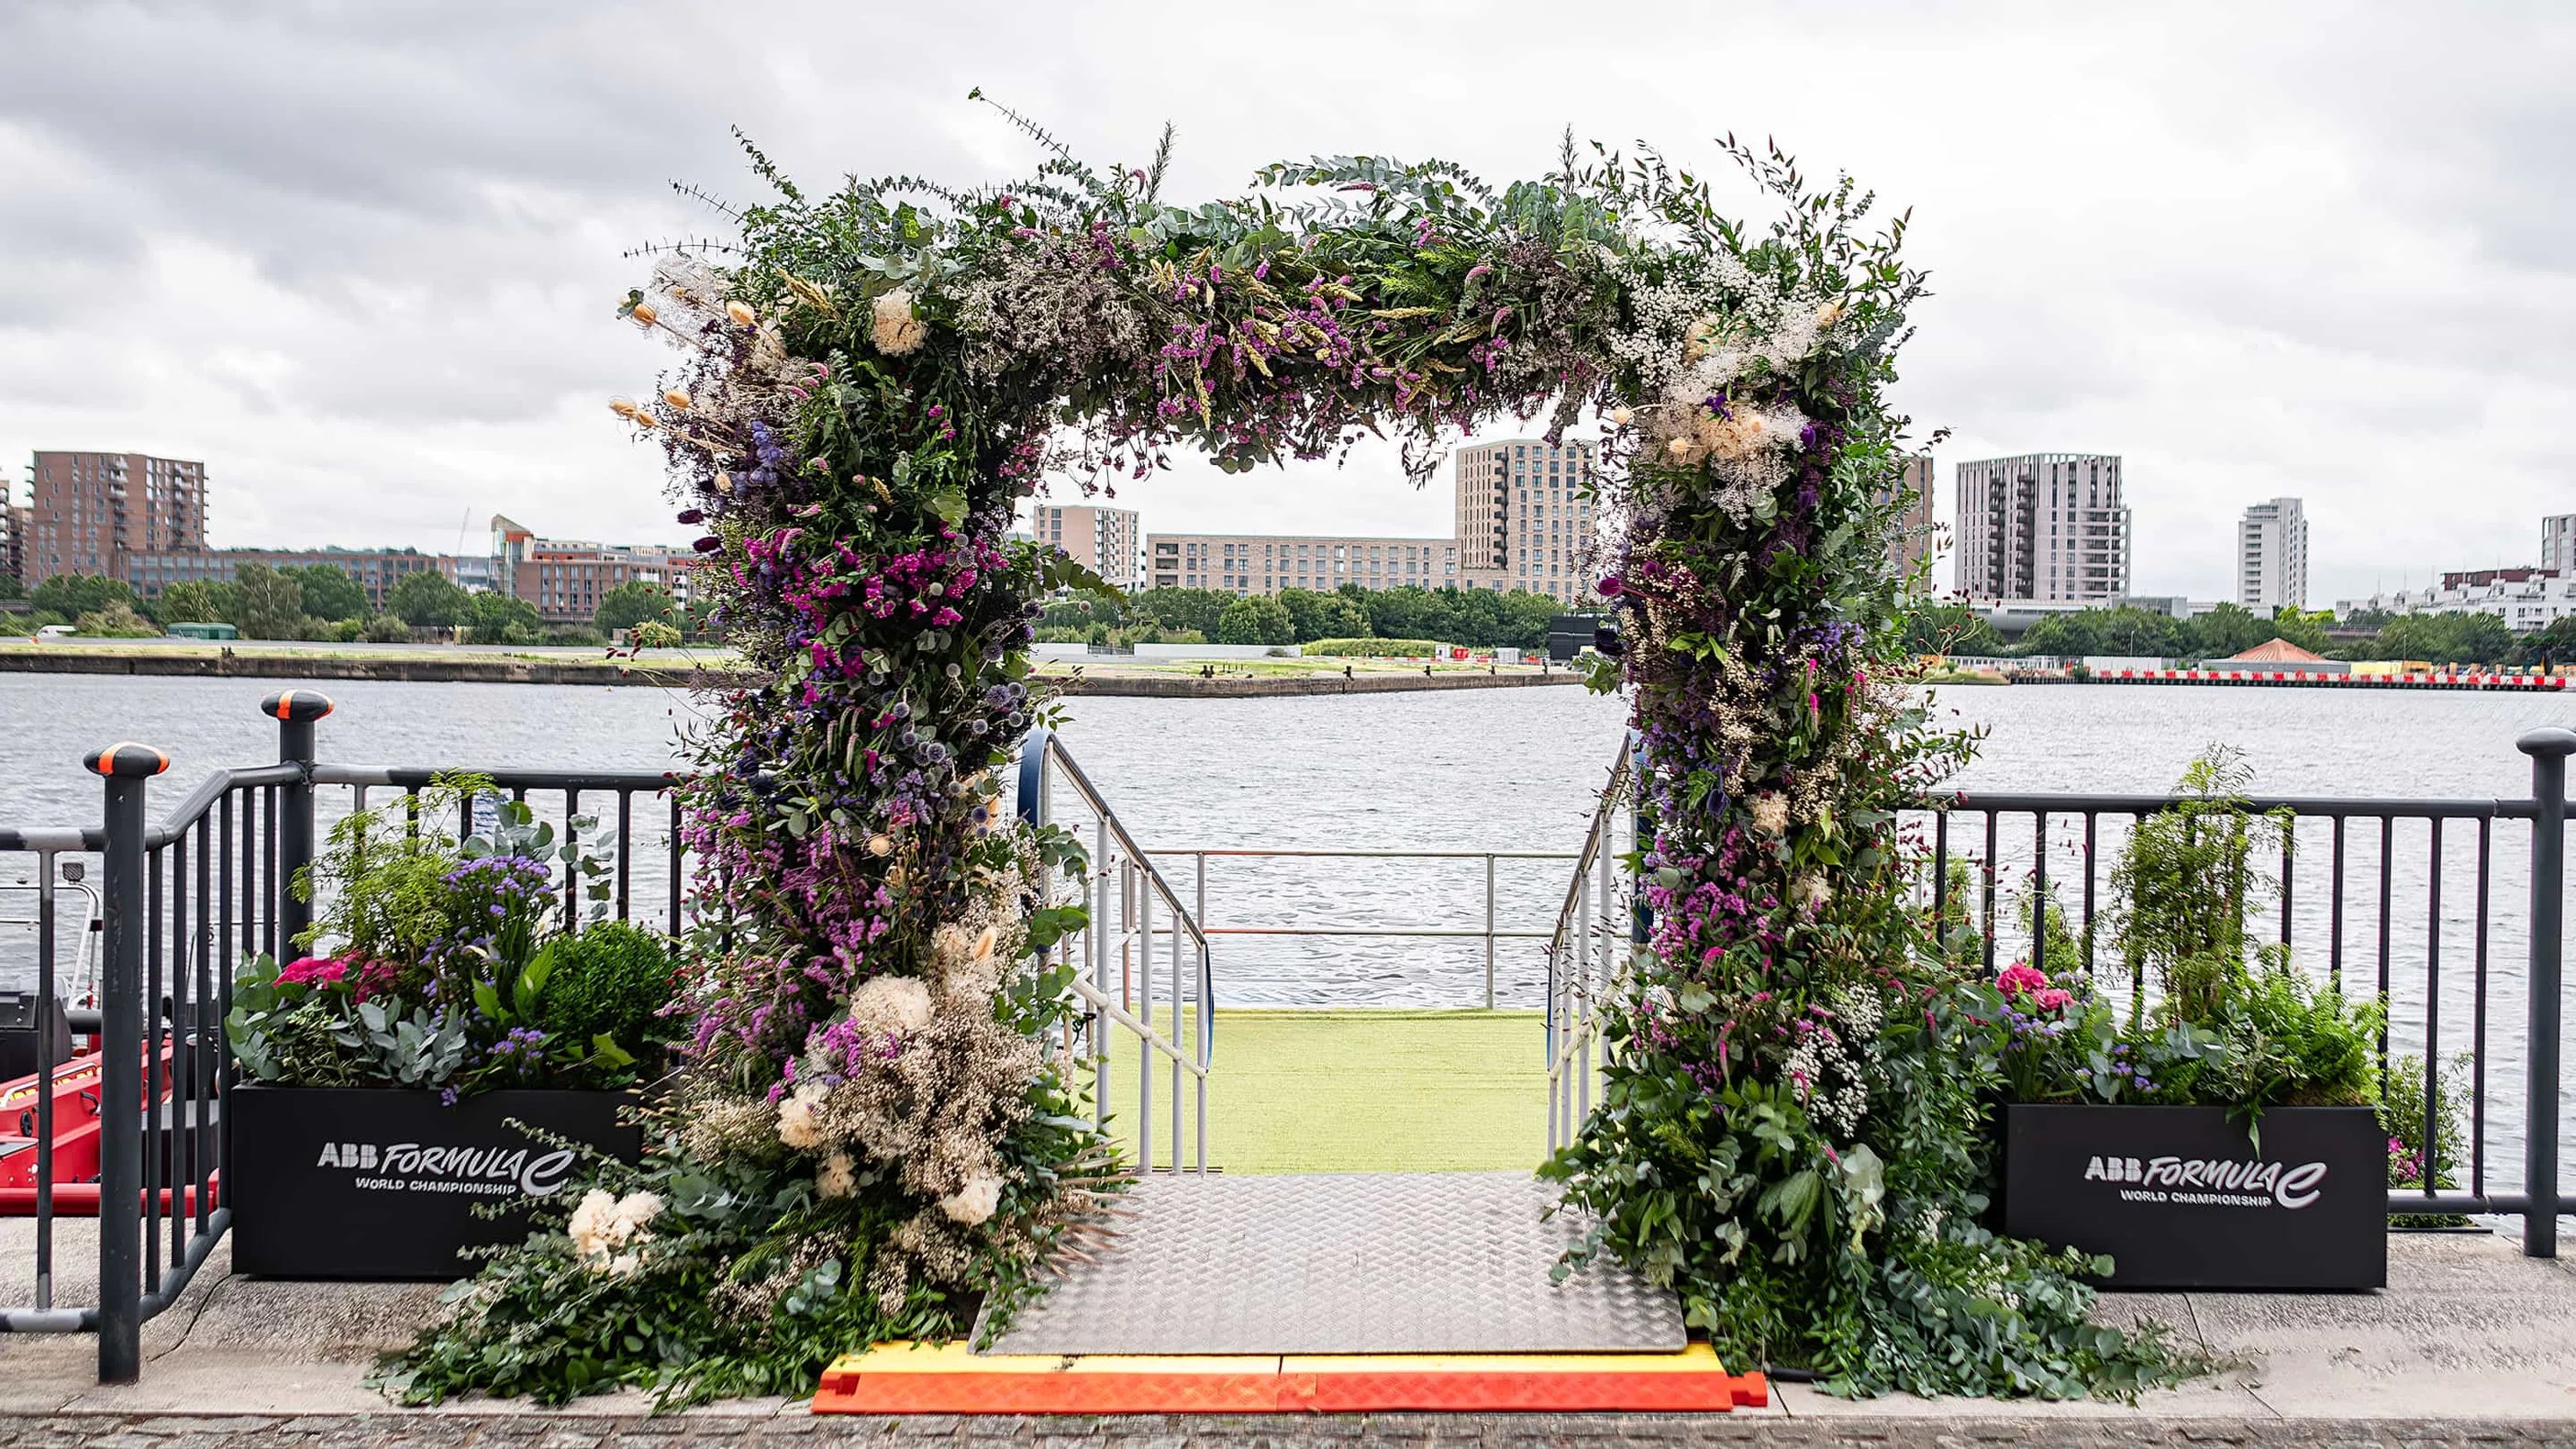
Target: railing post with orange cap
[126, 768]
[295, 710]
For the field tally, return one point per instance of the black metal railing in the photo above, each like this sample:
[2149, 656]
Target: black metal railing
[2028, 855]
[181, 904]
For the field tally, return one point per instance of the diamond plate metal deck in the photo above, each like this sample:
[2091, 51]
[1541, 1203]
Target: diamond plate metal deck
[1344, 1264]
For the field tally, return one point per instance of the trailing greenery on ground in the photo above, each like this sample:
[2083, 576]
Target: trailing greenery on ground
[871, 1134]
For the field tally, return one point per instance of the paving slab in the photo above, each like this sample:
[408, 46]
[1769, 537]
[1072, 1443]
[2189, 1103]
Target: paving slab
[2471, 1343]
[2466, 1327]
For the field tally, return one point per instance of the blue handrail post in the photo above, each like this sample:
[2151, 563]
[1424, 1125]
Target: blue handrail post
[1031, 802]
[126, 768]
[1641, 917]
[2549, 749]
[295, 710]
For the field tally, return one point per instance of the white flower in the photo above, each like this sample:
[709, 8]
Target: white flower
[891, 1006]
[601, 1224]
[591, 1222]
[1771, 812]
[796, 1125]
[837, 1179]
[897, 331]
[635, 1211]
[1811, 891]
[974, 1202]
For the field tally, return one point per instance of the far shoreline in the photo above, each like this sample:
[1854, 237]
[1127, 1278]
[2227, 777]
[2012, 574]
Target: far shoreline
[678, 669]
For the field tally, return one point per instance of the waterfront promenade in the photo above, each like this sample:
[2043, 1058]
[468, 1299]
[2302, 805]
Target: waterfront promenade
[2468, 1345]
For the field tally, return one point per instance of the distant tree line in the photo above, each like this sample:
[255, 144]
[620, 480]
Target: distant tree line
[2230, 629]
[323, 602]
[1477, 618]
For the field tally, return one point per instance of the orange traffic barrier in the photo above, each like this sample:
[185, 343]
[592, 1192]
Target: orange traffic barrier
[948, 1379]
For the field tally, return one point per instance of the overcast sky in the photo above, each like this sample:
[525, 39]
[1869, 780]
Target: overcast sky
[362, 258]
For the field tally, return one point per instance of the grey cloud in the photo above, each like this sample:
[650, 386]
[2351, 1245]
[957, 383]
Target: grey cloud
[2259, 249]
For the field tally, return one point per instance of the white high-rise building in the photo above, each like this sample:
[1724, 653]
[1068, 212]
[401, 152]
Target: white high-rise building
[2558, 544]
[2043, 526]
[2272, 556]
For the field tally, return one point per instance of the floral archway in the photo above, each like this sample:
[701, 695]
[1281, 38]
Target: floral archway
[867, 1134]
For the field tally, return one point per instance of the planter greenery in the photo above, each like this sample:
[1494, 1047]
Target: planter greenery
[451, 1043]
[445, 964]
[2229, 1043]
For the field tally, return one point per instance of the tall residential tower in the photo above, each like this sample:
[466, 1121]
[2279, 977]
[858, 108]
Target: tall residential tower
[2272, 556]
[1521, 522]
[2043, 526]
[89, 513]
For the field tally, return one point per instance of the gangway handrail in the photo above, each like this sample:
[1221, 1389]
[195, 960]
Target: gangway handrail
[1585, 930]
[1107, 937]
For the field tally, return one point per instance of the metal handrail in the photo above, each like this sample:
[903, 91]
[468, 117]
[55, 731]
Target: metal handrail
[1581, 960]
[1106, 940]
[1489, 934]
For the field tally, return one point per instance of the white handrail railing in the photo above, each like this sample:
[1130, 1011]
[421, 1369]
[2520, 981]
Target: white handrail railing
[1115, 952]
[1587, 956]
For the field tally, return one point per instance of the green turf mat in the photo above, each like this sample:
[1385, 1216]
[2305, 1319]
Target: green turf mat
[1357, 1090]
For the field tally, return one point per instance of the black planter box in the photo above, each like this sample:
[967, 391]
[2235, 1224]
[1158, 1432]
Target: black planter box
[2180, 1197]
[381, 1183]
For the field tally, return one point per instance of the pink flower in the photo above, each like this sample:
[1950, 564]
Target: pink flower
[313, 971]
[2053, 998]
[2020, 979]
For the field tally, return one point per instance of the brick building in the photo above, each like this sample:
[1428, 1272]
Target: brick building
[1108, 541]
[565, 579]
[88, 513]
[1259, 563]
[1523, 521]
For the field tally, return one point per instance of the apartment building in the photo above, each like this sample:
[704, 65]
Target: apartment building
[1523, 518]
[2524, 598]
[2042, 526]
[1108, 541]
[2558, 544]
[88, 513]
[13, 537]
[565, 578]
[1915, 533]
[376, 570]
[1253, 563]
[2272, 556]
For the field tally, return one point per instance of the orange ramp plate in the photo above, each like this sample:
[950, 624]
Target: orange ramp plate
[948, 1379]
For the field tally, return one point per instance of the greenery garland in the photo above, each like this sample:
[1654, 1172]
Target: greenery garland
[869, 1135]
